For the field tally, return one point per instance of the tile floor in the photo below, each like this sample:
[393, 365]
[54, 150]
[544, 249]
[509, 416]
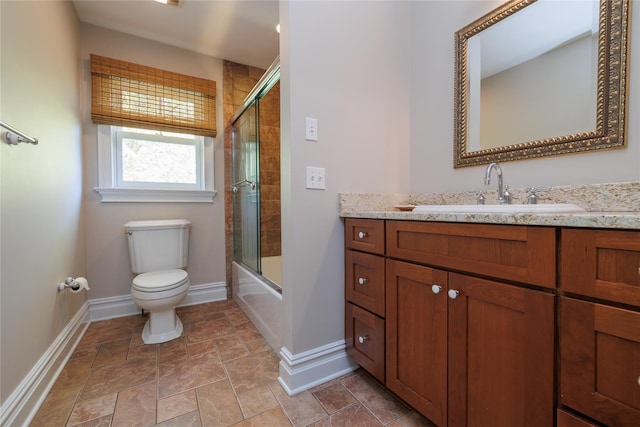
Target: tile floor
[221, 372]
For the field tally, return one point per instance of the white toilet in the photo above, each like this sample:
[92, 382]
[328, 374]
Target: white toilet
[159, 251]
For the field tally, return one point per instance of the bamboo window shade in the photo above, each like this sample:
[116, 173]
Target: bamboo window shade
[128, 94]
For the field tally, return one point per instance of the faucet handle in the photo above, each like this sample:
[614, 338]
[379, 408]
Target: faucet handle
[532, 197]
[480, 197]
[506, 196]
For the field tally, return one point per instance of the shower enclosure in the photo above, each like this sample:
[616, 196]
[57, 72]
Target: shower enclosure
[256, 267]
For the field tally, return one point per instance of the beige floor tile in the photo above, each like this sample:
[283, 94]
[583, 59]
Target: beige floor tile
[353, 416]
[252, 371]
[334, 397]
[98, 422]
[189, 373]
[302, 409]
[136, 407]
[272, 418]
[192, 419]
[220, 372]
[383, 405]
[173, 350]
[218, 404]
[412, 419]
[111, 352]
[256, 401]
[176, 405]
[230, 347]
[118, 376]
[56, 408]
[91, 409]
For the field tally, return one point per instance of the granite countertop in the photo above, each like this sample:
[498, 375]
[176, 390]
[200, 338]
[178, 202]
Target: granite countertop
[615, 206]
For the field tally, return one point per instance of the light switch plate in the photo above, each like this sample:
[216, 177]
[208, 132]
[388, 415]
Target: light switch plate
[311, 129]
[315, 178]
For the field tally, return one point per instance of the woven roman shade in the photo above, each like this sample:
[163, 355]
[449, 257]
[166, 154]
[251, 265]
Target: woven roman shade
[128, 94]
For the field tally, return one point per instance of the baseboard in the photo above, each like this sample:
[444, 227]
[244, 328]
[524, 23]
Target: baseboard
[123, 305]
[302, 371]
[21, 406]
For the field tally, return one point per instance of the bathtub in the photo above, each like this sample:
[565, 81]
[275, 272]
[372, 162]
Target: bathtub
[260, 302]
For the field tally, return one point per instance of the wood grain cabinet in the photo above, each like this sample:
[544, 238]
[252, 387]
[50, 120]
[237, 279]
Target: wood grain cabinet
[600, 325]
[468, 340]
[364, 294]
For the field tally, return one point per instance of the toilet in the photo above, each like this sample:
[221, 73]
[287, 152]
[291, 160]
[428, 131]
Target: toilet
[158, 251]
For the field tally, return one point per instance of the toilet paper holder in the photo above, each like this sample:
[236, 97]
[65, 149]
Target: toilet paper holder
[76, 285]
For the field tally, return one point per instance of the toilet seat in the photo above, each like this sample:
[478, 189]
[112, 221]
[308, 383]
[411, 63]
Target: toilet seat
[158, 281]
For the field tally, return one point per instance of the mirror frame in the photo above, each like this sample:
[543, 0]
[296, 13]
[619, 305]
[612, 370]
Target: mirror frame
[613, 47]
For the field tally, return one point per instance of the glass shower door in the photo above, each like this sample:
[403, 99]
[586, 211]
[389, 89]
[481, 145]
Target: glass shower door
[246, 189]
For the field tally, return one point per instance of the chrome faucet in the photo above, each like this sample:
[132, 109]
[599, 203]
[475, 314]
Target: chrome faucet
[504, 198]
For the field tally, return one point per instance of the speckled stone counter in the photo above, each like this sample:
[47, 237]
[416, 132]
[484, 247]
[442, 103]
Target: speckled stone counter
[611, 205]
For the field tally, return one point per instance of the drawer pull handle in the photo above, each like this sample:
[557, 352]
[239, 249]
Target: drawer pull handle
[363, 339]
[638, 380]
[453, 294]
[436, 289]
[362, 234]
[363, 280]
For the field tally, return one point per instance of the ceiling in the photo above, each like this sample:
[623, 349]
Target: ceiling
[242, 31]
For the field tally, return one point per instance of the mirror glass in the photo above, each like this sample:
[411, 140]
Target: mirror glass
[536, 78]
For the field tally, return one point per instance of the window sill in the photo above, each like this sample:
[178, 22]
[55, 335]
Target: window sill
[145, 195]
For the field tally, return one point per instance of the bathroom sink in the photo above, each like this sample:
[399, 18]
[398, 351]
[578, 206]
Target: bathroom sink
[539, 208]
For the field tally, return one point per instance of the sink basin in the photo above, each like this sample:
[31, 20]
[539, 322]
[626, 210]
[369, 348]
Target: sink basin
[539, 208]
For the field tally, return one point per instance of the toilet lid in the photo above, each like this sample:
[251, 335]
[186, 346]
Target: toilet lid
[157, 281]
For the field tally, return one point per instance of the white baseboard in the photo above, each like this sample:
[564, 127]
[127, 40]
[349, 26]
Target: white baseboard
[21, 406]
[302, 371]
[123, 305]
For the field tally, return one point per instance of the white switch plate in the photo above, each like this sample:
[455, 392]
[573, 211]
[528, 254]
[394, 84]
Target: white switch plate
[311, 129]
[315, 178]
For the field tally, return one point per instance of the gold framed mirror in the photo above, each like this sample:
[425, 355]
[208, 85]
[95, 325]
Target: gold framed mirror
[559, 95]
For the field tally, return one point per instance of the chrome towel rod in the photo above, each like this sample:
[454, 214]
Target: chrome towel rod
[14, 136]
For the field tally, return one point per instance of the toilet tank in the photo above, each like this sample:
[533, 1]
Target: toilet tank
[156, 245]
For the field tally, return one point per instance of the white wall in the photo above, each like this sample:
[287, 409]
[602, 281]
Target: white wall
[433, 24]
[346, 64]
[42, 224]
[107, 252]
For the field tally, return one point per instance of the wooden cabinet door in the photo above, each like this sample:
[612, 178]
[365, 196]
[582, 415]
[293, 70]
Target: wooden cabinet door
[364, 336]
[501, 354]
[600, 361]
[416, 337]
[364, 281]
[602, 264]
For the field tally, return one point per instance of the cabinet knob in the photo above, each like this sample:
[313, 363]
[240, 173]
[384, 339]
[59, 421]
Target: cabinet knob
[453, 294]
[363, 339]
[362, 234]
[363, 280]
[436, 289]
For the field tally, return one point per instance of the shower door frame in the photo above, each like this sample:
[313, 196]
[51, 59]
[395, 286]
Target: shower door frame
[261, 89]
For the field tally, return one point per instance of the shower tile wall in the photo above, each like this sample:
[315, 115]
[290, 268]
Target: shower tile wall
[270, 173]
[238, 80]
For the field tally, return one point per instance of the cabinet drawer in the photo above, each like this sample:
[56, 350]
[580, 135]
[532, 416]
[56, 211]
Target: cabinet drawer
[600, 361]
[364, 336]
[566, 419]
[364, 281]
[364, 235]
[518, 253]
[602, 264]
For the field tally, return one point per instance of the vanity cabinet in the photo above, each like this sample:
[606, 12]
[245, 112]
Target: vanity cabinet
[364, 294]
[468, 340]
[600, 325]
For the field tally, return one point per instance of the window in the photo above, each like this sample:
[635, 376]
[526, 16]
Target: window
[142, 165]
[155, 130]
[158, 159]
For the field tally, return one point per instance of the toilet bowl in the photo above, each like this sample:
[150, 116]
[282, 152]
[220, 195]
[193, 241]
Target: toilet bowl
[158, 252]
[158, 293]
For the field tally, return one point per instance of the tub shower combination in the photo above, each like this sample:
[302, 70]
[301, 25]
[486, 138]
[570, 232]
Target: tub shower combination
[256, 266]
